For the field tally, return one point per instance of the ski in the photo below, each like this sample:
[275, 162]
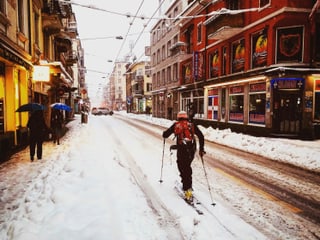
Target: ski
[192, 203]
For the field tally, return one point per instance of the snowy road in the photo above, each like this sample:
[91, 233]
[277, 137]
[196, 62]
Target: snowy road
[102, 182]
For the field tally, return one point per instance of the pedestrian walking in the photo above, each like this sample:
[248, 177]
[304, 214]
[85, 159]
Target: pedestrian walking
[38, 131]
[56, 125]
[185, 132]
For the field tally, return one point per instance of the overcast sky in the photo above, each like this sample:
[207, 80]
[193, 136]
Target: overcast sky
[100, 22]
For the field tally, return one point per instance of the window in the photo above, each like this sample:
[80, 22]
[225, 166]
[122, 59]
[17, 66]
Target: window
[213, 104]
[158, 33]
[163, 52]
[21, 16]
[199, 33]
[224, 61]
[158, 56]
[154, 59]
[36, 28]
[163, 76]
[236, 104]
[233, 4]
[158, 79]
[163, 28]
[175, 12]
[168, 48]
[3, 7]
[175, 72]
[257, 108]
[169, 79]
[149, 87]
[264, 3]
[154, 37]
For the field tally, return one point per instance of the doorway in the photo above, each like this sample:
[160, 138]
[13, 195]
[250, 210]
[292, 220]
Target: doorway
[287, 111]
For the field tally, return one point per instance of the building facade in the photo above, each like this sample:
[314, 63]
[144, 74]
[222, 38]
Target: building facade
[139, 87]
[250, 66]
[37, 61]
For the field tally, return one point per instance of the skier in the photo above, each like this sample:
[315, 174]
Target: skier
[184, 131]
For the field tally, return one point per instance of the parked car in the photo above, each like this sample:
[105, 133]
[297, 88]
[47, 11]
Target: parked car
[94, 111]
[101, 111]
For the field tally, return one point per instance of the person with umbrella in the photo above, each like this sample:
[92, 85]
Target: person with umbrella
[38, 131]
[56, 125]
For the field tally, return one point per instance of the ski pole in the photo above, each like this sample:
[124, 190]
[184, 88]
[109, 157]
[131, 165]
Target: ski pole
[209, 188]
[164, 143]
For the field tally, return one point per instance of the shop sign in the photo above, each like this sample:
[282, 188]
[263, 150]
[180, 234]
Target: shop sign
[257, 118]
[238, 117]
[212, 92]
[41, 73]
[289, 42]
[259, 49]
[287, 83]
[236, 90]
[7, 54]
[238, 56]
[258, 87]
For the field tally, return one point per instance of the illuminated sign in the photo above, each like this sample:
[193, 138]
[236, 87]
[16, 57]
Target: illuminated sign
[41, 73]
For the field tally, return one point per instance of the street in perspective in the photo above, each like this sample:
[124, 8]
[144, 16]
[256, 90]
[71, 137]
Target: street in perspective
[159, 119]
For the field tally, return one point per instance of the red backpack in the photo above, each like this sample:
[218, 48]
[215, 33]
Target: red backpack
[184, 131]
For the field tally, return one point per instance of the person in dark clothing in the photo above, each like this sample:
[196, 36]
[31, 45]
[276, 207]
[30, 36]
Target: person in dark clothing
[56, 125]
[38, 131]
[186, 151]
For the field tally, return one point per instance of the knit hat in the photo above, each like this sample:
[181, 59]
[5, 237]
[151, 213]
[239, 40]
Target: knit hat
[182, 115]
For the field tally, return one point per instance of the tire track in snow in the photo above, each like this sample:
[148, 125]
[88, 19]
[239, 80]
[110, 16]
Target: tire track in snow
[165, 218]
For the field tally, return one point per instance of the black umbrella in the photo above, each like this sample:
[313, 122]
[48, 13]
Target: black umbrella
[29, 107]
[61, 106]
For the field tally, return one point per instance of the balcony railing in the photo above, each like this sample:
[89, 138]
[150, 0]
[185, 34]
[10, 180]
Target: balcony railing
[223, 26]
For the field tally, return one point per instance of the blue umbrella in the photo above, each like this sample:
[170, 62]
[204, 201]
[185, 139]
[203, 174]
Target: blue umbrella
[61, 106]
[29, 107]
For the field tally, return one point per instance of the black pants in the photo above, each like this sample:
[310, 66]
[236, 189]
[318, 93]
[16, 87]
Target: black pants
[36, 142]
[185, 156]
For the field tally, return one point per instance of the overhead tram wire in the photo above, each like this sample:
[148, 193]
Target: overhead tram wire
[125, 37]
[144, 27]
[222, 11]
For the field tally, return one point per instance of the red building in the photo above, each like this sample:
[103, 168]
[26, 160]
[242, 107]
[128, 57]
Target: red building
[252, 66]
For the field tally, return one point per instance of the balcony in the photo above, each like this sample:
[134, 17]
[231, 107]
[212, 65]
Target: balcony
[138, 78]
[178, 47]
[223, 26]
[52, 14]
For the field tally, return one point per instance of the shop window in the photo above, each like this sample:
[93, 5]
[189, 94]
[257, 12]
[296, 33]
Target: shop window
[257, 108]
[213, 103]
[317, 106]
[236, 108]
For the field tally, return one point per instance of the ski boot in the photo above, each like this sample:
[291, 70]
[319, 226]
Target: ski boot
[188, 196]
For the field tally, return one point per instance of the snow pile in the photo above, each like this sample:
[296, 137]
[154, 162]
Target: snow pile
[305, 154]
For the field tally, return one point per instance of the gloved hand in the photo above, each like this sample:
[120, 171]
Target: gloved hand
[202, 153]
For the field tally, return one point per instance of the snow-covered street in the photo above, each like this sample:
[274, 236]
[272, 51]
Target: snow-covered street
[102, 182]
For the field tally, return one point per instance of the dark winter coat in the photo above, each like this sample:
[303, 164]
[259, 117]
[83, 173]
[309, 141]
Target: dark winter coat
[37, 126]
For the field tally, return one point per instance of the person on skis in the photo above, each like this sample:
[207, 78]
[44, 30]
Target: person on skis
[184, 131]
